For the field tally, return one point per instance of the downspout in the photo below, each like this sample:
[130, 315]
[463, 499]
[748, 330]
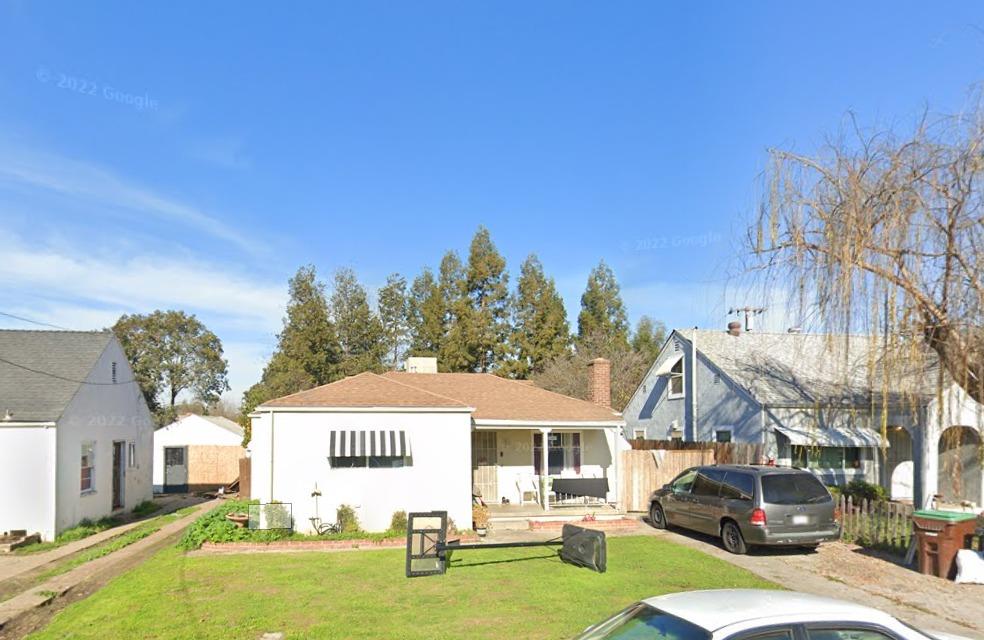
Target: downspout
[272, 414]
[693, 384]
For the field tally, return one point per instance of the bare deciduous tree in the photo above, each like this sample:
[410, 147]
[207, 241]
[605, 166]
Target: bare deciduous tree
[883, 234]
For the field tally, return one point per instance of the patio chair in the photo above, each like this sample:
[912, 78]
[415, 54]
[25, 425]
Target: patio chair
[527, 489]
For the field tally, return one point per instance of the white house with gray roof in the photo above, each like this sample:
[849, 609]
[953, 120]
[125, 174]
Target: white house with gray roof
[814, 401]
[75, 431]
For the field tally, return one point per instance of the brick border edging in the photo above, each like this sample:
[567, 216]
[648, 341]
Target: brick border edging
[313, 545]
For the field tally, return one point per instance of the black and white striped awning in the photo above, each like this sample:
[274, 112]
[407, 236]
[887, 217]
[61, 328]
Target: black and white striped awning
[369, 443]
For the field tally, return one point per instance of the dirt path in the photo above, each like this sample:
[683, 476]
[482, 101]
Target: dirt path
[32, 609]
[847, 572]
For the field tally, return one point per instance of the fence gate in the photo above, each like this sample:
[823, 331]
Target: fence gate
[642, 472]
[485, 454]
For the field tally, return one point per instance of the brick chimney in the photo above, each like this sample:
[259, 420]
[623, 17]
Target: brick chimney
[734, 328]
[600, 382]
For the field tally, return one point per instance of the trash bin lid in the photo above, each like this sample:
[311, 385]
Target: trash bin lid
[948, 516]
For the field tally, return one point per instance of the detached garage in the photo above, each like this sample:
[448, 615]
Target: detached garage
[197, 453]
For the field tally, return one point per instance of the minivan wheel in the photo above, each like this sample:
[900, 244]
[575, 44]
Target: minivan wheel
[732, 539]
[656, 516]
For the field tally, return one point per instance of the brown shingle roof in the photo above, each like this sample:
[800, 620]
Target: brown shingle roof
[496, 398]
[365, 390]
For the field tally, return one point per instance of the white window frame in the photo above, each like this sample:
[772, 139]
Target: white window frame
[88, 446]
[638, 434]
[131, 455]
[727, 428]
[682, 377]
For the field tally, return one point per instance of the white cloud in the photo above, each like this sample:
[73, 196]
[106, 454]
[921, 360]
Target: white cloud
[83, 181]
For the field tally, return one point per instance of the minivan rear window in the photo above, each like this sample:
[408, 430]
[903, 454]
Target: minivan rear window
[793, 488]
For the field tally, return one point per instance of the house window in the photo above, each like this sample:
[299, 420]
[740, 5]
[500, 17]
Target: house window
[88, 467]
[368, 462]
[131, 455]
[827, 457]
[722, 435]
[676, 379]
[639, 434]
[563, 453]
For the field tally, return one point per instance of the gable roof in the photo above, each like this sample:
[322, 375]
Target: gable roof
[366, 390]
[41, 371]
[219, 421]
[497, 398]
[794, 369]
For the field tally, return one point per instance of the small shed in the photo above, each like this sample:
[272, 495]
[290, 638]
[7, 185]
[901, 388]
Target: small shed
[197, 453]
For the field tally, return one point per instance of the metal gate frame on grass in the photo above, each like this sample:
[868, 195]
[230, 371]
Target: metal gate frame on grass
[271, 515]
[429, 551]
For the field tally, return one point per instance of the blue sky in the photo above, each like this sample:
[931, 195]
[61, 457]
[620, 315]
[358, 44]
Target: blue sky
[193, 155]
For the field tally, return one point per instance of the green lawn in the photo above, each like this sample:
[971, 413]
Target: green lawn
[502, 593]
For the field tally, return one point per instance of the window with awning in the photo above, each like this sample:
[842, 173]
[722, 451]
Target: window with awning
[371, 448]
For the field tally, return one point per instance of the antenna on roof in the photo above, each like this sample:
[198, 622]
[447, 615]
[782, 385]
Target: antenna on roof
[748, 312]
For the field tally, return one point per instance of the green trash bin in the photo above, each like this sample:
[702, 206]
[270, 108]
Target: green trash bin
[939, 535]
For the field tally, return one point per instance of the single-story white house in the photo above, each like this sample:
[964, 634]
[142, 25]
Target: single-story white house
[75, 431]
[425, 440]
[197, 453]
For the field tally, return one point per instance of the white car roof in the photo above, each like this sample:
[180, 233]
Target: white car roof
[717, 608]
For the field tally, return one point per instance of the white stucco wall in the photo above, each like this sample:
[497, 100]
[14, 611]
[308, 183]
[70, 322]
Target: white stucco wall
[103, 413]
[188, 431]
[27, 479]
[439, 477]
[958, 409]
[515, 460]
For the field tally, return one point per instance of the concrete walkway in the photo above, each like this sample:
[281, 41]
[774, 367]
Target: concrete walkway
[44, 593]
[13, 564]
[842, 571]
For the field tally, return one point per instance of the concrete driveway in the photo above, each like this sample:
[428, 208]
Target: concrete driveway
[849, 572]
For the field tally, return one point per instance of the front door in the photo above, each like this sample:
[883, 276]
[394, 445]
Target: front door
[175, 469]
[485, 477]
[118, 475]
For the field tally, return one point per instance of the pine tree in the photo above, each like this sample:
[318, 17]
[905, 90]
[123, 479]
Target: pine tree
[648, 338]
[454, 354]
[360, 332]
[602, 309]
[540, 329]
[393, 308]
[307, 353]
[425, 316]
[487, 290]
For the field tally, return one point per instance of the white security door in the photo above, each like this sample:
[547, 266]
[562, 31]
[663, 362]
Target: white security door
[176, 469]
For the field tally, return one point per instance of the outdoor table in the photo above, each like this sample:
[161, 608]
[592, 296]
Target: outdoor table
[939, 535]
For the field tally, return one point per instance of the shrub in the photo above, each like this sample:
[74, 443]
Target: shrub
[859, 490]
[146, 508]
[399, 521]
[347, 521]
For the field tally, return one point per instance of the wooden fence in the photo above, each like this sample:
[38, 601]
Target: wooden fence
[724, 452]
[643, 471]
[883, 524]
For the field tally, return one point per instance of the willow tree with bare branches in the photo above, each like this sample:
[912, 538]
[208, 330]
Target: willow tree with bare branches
[883, 233]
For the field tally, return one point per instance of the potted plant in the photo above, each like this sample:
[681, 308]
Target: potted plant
[480, 519]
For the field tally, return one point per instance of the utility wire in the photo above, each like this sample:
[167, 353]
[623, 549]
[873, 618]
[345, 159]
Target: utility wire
[66, 379]
[42, 324]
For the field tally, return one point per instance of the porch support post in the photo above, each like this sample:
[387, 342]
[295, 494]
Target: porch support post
[544, 453]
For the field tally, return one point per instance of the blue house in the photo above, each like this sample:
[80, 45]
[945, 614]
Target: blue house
[806, 398]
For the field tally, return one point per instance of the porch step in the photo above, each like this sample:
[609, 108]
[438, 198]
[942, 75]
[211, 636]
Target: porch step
[544, 521]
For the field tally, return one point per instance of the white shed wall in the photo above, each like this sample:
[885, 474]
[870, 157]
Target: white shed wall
[27, 479]
[189, 431]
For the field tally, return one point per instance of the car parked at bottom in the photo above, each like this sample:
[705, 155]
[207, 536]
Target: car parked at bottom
[748, 505]
[753, 614]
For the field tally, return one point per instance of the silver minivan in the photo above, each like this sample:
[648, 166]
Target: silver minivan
[748, 505]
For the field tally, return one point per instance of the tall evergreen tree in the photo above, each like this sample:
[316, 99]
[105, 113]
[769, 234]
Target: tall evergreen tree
[425, 315]
[648, 338]
[540, 330]
[487, 290]
[393, 310]
[602, 309]
[454, 354]
[360, 332]
[307, 353]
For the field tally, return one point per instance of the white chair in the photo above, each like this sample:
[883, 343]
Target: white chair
[527, 489]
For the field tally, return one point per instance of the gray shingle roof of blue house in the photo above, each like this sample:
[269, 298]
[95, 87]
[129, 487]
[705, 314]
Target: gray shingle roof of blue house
[41, 371]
